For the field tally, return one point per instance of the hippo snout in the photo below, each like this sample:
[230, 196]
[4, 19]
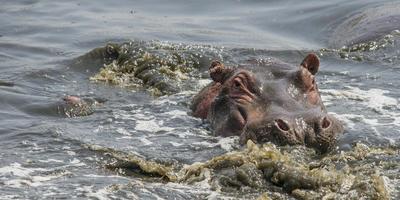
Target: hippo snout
[318, 132]
[323, 138]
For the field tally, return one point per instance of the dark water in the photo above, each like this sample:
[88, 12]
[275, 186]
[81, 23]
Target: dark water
[43, 155]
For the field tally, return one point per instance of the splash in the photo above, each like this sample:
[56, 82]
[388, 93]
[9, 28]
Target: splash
[384, 49]
[161, 67]
[270, 171]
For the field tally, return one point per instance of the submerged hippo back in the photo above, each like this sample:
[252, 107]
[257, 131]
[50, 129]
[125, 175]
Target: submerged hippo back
[367, 25]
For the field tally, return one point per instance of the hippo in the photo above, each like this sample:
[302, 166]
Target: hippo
[268, 101]
[69, 106]
[75, 106]
[366, 25]
[160, 68]
[371, 34]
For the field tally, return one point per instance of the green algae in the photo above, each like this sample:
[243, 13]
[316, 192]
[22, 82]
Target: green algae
[162, 68]
[272, 171]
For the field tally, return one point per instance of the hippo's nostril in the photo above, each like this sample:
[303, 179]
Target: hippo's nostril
[282, 125]
[325, 123]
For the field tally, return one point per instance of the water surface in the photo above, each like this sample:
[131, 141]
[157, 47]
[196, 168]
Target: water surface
[44, 156]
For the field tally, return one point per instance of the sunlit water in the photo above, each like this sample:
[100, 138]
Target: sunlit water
[44, 156]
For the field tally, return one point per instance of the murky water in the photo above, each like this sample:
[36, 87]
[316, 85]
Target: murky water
[44, 155]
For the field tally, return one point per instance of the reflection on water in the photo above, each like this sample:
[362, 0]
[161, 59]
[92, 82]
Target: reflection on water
[44, 155]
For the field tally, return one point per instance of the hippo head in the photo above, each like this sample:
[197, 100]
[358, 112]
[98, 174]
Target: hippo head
[267, 101]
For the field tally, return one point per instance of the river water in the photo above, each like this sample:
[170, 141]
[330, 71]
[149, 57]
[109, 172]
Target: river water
[44, 156]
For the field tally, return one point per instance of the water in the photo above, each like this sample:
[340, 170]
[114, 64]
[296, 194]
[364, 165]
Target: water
[43, 155]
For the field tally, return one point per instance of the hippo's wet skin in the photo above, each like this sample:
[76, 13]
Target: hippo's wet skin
[268, 101]
[370, 34]
[366, 25]
[161, 68]
[74, 106]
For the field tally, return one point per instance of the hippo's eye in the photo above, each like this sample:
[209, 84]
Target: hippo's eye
[240, 90]
[237, 83]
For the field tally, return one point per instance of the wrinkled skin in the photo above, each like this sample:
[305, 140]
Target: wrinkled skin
[268, 101]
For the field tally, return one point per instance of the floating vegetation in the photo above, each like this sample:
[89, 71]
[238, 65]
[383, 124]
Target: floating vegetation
[162, 68]
[122, 160]
[272, 172]
[381, 49]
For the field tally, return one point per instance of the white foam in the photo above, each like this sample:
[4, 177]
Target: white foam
[34, 147]
[16, 183]
[142, 116]
[164, 101]
[17, 176]
[145, 141]
[176, 113]
[349, 119]
[71, 153]
[122, 131]
[203, 82]
[4, 197]
[175, 144]
[51, 160]
[152, 126]
[98, 129]
[15, 169]
[205, 144]
[384, 109]
[103, 176]
[373, 99]
[76, 162]
[41, 180]
[101, 194]
[228, 143]
[124, 137]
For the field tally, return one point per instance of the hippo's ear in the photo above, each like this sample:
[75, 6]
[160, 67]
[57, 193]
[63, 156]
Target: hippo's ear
[218, 71]
[311, 62]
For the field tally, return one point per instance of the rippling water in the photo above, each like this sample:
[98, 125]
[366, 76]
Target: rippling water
[43, 155]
